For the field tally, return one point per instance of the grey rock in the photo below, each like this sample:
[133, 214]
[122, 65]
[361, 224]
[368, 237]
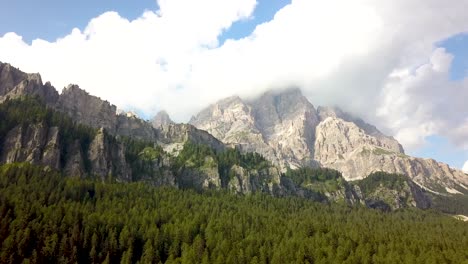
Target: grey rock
[107, 158]
[173, 137]
[15, 83]
[74, 166]
[87, 109]
[51, 153]
[134, 127]
[335, 112]
[161, 119]
[280, 126]
[35, 143]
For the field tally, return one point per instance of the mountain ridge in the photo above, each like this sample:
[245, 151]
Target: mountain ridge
[281, 126]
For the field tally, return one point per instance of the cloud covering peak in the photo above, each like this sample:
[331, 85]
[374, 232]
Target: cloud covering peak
[376, 59]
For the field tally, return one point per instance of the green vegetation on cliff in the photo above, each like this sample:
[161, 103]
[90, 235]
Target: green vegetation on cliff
[319, 179]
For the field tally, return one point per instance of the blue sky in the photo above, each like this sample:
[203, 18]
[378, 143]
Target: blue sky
[458, 46]
[53, 19]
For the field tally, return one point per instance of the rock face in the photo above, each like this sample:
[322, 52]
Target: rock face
[36, 144]
[87, 109]
[368, 129]
[132, 126]
[280, 126]
[107, 157]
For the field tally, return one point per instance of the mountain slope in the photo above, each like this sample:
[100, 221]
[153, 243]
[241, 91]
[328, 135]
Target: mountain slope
[344, 146]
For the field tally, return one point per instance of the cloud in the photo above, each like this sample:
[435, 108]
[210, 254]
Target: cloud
[423, 102]
[140, 64]
[377, 59]
[465, 167]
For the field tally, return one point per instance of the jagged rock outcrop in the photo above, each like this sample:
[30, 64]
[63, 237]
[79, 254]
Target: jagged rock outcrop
[161, 119]
[15, 83]
[344, 146]
[107, 157]
[280, 126]
[87, 109]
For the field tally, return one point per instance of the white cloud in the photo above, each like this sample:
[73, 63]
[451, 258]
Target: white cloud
[374, 58]
[424, 102]
[465, 167]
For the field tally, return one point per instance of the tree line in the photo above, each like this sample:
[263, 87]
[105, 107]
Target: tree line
[46, 217]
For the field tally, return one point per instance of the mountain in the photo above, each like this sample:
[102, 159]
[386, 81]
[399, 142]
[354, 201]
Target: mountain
[280, 126]
[286, 129]
[161, 119]
[81, 135]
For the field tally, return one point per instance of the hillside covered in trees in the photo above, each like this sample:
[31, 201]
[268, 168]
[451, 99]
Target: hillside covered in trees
[48, 218]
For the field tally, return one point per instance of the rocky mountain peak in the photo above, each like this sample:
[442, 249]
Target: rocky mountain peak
[15, 83]
[161, 119]
[275, 106]
[87, 109]
[280, 125]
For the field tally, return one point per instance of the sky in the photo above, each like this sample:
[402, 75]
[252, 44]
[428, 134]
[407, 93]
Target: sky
[401, 65]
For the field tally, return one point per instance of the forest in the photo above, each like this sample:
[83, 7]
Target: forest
[46, 217]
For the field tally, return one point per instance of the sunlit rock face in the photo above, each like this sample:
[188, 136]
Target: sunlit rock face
[280, 126]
